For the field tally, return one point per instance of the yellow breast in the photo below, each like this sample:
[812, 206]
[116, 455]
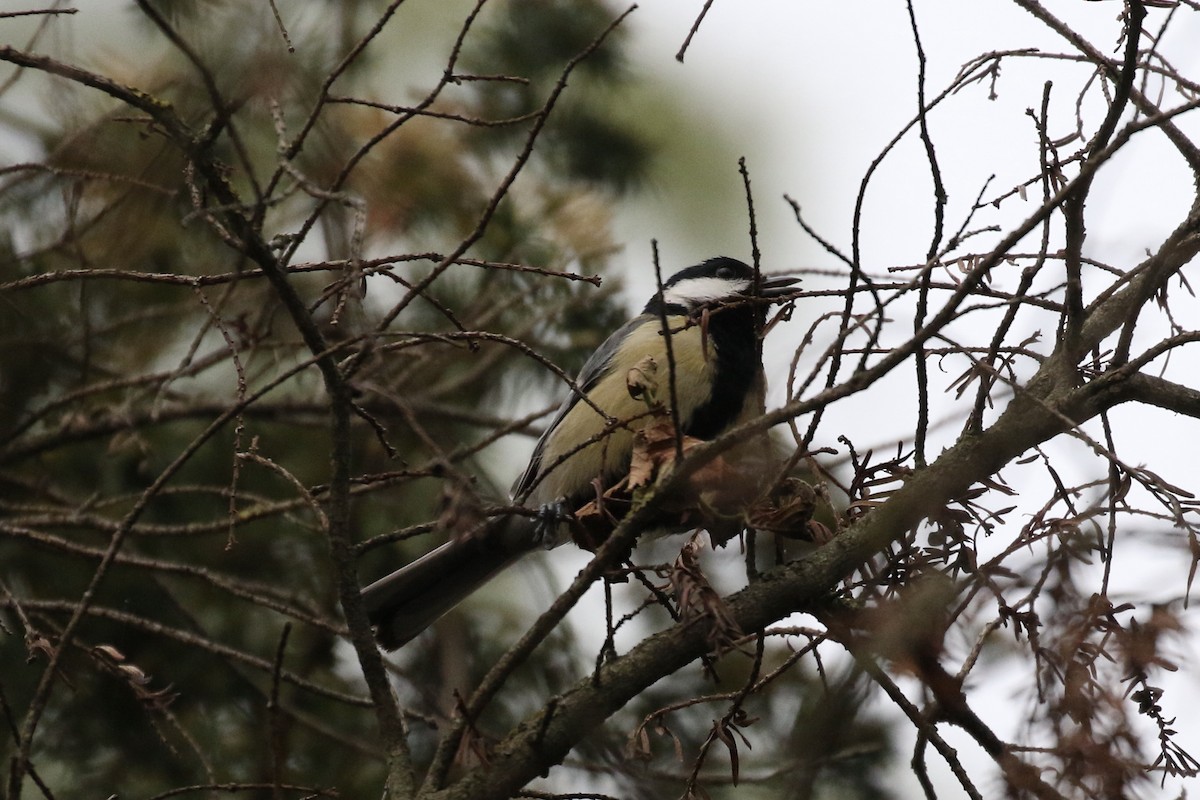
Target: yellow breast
[606, 454]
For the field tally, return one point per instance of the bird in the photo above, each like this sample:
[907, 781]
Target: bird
[714, 313]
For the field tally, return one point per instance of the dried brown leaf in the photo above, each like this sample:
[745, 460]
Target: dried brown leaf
[642, 381]
[786, 511]
[698, 600]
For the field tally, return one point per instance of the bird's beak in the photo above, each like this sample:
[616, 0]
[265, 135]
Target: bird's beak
[777, 286]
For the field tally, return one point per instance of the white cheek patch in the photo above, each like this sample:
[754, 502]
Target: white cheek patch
[696, 291]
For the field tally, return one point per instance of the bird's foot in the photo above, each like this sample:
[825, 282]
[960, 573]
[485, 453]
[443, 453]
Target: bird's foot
[550, 524]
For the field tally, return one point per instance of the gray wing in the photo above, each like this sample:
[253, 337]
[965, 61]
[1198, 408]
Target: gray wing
[596, 367]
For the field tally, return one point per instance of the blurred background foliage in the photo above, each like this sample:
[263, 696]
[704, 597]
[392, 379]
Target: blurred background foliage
[128, 326]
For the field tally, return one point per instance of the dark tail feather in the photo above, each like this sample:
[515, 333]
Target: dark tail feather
[412, 598]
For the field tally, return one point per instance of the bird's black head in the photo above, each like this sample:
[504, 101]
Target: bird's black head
[713, 283]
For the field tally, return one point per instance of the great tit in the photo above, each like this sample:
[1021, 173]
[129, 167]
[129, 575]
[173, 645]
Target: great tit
[714, 312]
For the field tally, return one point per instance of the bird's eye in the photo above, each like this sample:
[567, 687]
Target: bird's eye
[725, 273]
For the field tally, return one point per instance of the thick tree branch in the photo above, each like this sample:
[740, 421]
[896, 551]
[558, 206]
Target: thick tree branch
[1161, 393]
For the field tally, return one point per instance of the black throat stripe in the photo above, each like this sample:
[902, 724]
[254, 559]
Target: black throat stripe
[731, 331]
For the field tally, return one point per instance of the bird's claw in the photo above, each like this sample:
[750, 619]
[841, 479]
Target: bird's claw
[549, 523]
